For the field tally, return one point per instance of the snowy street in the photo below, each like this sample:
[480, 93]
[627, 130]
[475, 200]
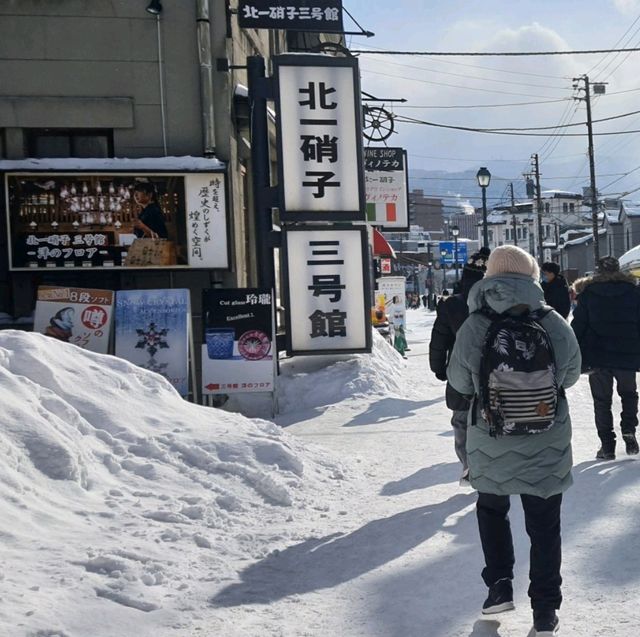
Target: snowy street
[183, 521]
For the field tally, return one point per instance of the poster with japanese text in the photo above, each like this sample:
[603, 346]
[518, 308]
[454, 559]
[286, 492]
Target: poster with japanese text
[152, 331]
[327, 290]
[393, 290]
[386, 188]
[238, 353]
[319, 138]
[116, 220]
[80, 316]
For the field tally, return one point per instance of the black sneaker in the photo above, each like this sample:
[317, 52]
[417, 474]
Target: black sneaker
[631, 444]
[500, 598]
[545, 623]
[606, 453]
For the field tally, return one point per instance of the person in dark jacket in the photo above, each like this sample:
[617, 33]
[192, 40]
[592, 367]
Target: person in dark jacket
[606, 322]
[451, 314]
[150, 221]
[556, 289]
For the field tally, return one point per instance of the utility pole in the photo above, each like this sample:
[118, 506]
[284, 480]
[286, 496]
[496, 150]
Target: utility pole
[513, 216]
[599, 89]
[536, 172]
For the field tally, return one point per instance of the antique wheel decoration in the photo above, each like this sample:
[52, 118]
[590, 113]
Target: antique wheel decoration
[378, 123]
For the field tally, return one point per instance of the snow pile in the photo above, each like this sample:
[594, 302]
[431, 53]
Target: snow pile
[313, 381]
[122, 503]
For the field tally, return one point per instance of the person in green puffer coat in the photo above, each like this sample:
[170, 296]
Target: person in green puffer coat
[536, 466]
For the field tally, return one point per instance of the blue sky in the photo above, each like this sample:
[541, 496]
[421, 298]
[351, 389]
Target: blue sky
[502, 25]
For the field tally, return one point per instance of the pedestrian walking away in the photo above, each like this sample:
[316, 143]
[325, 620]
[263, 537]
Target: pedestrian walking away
[515, 356]
[451, 314]
[556, 289]
[606, 322]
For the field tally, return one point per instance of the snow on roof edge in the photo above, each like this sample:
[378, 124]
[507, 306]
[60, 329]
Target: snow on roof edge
[125, 164]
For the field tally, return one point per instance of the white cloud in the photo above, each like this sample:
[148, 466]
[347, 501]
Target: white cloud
[627, 7]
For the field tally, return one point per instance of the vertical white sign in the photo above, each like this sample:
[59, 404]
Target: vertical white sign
[206, 220]
[320, 141]
[327, 291]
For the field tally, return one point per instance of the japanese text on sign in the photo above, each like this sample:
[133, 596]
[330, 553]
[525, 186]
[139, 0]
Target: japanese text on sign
[301, 15]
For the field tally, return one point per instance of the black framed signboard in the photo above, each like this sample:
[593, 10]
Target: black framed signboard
[326, 290]
[319, 125]
[323, 16]
[114, 219]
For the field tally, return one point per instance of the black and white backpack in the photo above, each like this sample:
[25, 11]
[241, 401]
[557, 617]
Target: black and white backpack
[518, 386]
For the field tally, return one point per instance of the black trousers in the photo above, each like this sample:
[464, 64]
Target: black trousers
[542, 521]
[601, 383]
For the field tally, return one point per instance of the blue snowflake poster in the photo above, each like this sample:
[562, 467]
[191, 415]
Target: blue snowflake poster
[152, 331]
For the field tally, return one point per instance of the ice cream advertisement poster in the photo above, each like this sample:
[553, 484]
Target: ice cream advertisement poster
[81, 316]
[238, 349]
[152, 331]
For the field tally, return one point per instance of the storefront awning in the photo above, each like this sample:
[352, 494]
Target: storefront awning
[381, 247]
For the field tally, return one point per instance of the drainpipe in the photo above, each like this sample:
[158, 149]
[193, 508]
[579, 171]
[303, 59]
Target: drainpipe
[206, 81]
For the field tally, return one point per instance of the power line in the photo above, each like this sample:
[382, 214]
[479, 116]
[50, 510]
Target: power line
[471, 77]
[474, 106]
[466, 88]
[589, 72]
[495, 53]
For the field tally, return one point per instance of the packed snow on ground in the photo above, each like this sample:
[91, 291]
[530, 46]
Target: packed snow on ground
[129, 512]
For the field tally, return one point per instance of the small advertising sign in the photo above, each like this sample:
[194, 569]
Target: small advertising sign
[393, 289]
[319, 138]
[62, 220]
[387, 188]
[152, 331]
[385, 266]
[295, 15]
[80, 316]
[448, 252]
[238, 353]
[327, 290]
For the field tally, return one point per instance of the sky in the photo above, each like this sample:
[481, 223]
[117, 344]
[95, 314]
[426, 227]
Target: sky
[498, 25]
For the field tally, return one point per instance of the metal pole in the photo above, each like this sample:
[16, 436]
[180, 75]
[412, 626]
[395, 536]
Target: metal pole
[485, 229]
[260, 169]
[513, 216]
[206, 78]
[536, 167]
[455, 255]
[592, 174]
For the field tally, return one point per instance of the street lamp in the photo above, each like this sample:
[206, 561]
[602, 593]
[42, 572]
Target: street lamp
[443, 256]
[455, 231]
[429, 285]
[484, 179]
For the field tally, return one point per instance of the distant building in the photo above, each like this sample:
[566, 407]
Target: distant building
[427, 212]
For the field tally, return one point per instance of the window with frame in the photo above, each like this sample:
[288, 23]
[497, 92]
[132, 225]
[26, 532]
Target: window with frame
[69, 142]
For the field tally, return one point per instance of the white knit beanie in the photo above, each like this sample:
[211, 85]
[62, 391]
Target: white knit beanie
[512, 260]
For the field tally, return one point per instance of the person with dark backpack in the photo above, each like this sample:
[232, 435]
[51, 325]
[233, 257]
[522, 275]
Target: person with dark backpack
[515, 357]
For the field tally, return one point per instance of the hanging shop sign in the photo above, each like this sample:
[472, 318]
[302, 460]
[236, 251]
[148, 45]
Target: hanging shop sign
[448, 252]
[152, 331]
[294, 15]
[321, 170]
[80, 316]
[238, 353]
[387, 188]
[327, 290]
[385, 266]
[116, 220]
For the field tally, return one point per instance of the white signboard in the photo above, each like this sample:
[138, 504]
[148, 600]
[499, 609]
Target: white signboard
[386, 188]
[81, 316]
[328, 305]
[206, 221]
[393, 289]
[320, 138]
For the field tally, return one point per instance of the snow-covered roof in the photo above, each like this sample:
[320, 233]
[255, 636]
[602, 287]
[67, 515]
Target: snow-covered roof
[630, 258]
[585, 239]
[559, 194]
[631, 209]
[124, 164]
[613, 216]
